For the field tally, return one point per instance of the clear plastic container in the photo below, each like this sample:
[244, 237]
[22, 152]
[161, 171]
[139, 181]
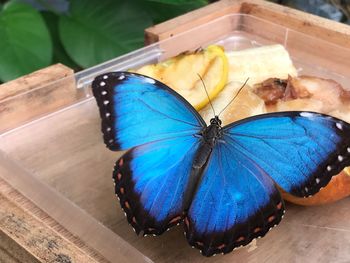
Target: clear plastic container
[59, 160]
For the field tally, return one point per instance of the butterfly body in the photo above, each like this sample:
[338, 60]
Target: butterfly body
[208, 136]
[219, 181]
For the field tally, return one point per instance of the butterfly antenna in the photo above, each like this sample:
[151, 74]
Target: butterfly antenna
[205, 88]
[240, 89]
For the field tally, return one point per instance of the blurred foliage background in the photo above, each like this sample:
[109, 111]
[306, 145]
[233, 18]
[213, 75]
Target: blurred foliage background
[83, 33]
[338, 10]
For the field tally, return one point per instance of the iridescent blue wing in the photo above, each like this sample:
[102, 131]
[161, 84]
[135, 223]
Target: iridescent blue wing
[236, 199]
[301, 151]
[235, 202]
[153, 180]
[136, 109]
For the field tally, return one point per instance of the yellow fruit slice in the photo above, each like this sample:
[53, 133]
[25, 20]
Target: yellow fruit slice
[181, 74]
[347, 171]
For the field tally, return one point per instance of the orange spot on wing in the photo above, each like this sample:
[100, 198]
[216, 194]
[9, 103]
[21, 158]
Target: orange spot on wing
[240, 239]
[271, 218]
[256, 230]
[279, 206]
[121, 162]
[187, 223]
[175, 219]
[119, 176]
[127, 205]
[221, 246]
[199, 244]
[121, 190]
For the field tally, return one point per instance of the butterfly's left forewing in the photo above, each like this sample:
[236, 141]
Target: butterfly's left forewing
[136, 109]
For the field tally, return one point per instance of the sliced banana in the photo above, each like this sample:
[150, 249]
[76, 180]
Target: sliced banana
[259, 64]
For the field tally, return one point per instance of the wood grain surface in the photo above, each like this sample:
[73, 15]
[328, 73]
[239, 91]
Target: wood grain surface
[41, 242]
[37, 94]
[309, 24]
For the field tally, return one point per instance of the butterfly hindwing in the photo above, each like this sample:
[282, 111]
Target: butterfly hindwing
[235, 202]
[301, 151]
[152, 182]
[136, 109]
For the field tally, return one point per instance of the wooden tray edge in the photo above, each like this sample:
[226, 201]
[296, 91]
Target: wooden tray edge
[37, 233]
[309, 24]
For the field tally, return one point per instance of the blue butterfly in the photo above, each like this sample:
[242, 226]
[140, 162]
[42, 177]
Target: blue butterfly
[220, 181]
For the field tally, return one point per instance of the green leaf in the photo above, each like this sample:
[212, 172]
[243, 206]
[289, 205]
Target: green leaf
[25, 41]
[59, 53]
[54, 6]
[161, 10]
[95, 32]
[181, 2]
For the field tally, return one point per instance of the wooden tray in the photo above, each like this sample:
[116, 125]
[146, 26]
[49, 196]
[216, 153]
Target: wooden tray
[55, 174]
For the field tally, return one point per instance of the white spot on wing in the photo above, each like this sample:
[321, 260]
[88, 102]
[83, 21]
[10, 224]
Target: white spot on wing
[318, 180]
[104, 92]
[340, 158]
[307, 114]
[329, 168]
[339, 126]
[121, 77]
[105, 77]
[105, 102]
[102, 83]
[348, 149]
[149, 80]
